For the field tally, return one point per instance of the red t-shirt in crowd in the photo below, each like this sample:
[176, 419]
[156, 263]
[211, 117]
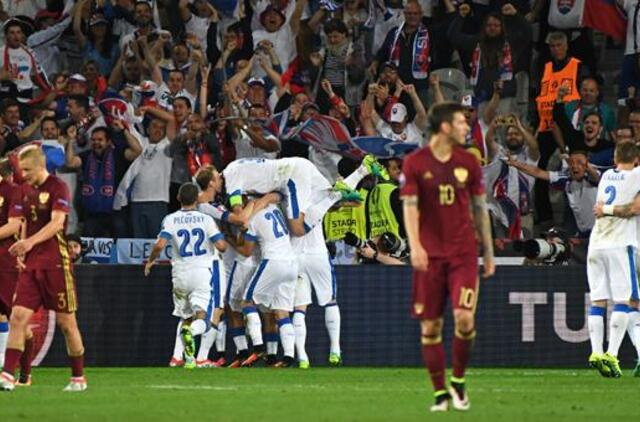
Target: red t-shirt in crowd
[37, 205]
[444, 193]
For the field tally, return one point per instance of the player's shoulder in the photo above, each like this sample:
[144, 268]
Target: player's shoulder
[418, 156]
[53, 182]
[465, 157]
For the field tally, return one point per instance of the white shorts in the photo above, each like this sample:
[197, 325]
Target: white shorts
[273, 284]
[305, 183]
[612, 274]
[316, 270]
[239, 278]
[198, 289]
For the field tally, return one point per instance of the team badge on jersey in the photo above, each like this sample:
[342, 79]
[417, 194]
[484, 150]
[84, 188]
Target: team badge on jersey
[43, 197]
[461, 174]
[1, 201]
[418, 308]
[427, 175]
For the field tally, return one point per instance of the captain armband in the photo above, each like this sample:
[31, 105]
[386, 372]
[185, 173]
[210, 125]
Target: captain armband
[235, 200]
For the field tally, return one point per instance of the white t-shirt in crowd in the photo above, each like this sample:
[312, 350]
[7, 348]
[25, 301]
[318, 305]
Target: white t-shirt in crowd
[410, 135]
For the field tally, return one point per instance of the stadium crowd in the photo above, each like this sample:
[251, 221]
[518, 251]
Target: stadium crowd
[140, 94]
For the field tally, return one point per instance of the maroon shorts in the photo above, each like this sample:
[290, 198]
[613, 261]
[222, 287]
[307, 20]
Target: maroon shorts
[8, 281]
[456, 277]
[54, 289]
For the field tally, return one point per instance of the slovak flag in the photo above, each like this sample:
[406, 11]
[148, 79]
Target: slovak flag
[605, 16]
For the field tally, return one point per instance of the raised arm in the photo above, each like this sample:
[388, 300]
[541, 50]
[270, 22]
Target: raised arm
[421, 114]
[77, 23]
[72, 161]
[532, 171]
[297, 14]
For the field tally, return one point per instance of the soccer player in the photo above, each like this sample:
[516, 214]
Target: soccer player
[314, 268]
[440, 184]
[9, 232]
[611, 259]
[196, 272]
[47, 278]
[296, 179]
[273, 284]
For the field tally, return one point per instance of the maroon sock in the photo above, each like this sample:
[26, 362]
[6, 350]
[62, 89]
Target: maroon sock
[11, 359]
[26, 359]
[434, 360]
[461, 355]
[77, 366]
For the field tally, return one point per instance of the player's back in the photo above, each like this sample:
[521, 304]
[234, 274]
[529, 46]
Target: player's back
[191, 234]
[251, 175]
[616, 187]
[269, 228]
[444, 191]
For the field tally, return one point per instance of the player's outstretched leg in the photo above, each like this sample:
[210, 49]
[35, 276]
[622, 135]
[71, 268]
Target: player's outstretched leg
[617, 330]
[300, 329]
[287, 338]
[75, 348]
[434, 359]
[15, 345]
[332, 321]
[4, 335]
[462, 344]
[177, 359]
[595, 322]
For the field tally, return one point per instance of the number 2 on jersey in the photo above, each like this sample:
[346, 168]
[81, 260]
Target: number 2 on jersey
[198, 234]
[277, 219]
[611, 191]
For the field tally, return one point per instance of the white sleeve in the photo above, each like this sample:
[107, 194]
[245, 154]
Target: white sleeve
[166, 229]
[213, 233]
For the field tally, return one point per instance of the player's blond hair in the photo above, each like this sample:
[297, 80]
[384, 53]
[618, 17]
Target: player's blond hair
[204, 175]
[34, 153]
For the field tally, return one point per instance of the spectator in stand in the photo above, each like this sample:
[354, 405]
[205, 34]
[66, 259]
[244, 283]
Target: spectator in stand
[252, 140]
[44, 42]
[493, 53]
[96, 82]
[579, 180]
[634, 122]
[623, 134]
[99, 44]
[409, 47]
[102, 168]
[143, 17]
[589, 139]
[506, 185]
[197, 16]
[591, 101]
[12, 125]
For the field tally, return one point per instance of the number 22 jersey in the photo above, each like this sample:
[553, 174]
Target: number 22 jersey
[444, 191]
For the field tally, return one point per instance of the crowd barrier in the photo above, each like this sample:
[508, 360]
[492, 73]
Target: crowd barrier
[527, 317]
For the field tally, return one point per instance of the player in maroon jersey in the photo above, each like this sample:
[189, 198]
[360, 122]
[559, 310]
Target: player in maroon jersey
[47, 279]
[444, 205]
[9, 233]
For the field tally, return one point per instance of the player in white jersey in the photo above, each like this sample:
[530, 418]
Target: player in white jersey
[611, 260]
[272, 286]
[196, 272]
[315, 268]
[298, 181]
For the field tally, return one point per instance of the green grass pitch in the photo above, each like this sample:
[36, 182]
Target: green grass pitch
[343, 394]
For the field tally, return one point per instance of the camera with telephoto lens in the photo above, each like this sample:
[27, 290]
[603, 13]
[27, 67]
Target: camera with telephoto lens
[553, 248]
[394, 246]
[353, 240]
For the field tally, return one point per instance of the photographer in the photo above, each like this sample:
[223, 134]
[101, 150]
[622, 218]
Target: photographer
[389, 250]
[509, 183]
[552, 248]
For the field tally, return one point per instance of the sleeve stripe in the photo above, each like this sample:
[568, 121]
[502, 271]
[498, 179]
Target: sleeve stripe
[216, 237]
[165, 235]
[250, 237]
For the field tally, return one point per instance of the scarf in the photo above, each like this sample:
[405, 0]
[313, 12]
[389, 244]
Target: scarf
[198, 155]
[98, 183]
[40, 77]
[421, 48]
[506, 66]
[510, 209]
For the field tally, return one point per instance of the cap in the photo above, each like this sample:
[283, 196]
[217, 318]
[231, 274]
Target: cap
[77, 77]
[390, 65]
[255, 80]
[468, 100]
[98, 19]
[398, 113]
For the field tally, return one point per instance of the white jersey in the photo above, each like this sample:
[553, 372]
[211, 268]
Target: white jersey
[192, 235]
[269, 229]
[616, 187]
[312, 243]
[216, 211]
[257, 175]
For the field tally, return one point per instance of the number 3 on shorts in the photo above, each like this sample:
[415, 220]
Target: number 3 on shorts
[467, 298]
[62, 300]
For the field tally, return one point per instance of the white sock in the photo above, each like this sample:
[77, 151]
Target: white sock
[617, 328]
[272, 343]
[221, 337]
[287, 336]
[332, 321]
[315, 214]
[206, 342]
[631, 323]
[4, 335]
[595, 322]
[254, 325]
[198, 327]
[300, 329]
[239, 339]
[178, 348]
[354, 178]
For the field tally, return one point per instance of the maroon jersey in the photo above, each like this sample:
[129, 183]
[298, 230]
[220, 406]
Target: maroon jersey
[37, 204]
[9, 196]
[444, 193]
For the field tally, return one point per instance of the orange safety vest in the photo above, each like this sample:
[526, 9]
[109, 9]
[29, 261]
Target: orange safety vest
[551, 81]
